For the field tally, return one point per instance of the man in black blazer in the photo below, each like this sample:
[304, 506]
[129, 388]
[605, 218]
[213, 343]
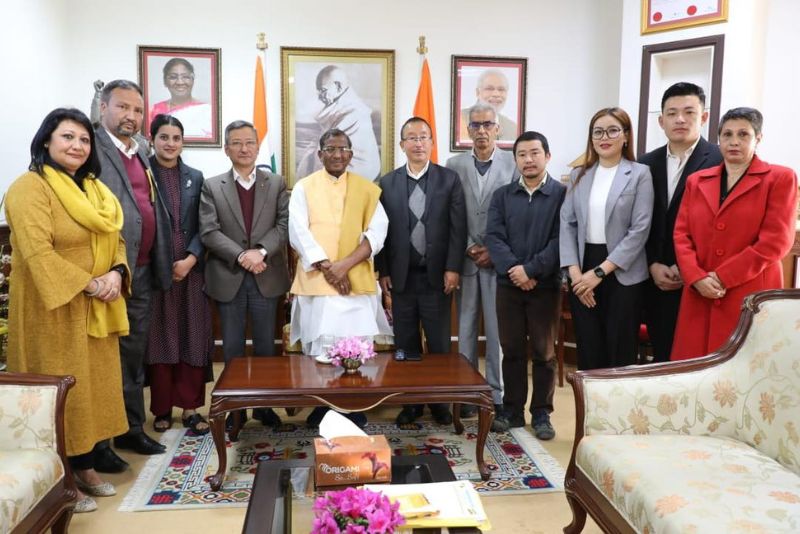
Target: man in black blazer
[423, 254]
[682, 117]
[148, 242]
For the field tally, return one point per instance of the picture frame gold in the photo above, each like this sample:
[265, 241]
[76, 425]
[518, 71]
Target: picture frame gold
[348, 89]
[665, 15]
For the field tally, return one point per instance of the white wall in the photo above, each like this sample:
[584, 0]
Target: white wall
[761, 66]
[572, 45]
[31, 57]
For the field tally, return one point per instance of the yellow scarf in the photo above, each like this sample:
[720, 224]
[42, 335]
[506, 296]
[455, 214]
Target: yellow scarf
[99, 212]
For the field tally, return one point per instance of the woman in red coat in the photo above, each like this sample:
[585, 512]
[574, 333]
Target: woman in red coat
[735, 223]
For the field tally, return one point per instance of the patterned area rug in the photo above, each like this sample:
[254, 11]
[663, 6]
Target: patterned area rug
[178, 479]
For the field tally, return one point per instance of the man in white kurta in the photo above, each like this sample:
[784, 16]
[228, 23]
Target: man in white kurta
[335, 292]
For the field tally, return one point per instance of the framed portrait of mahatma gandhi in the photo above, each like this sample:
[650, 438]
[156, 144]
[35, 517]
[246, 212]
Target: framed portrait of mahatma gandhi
[497, 81]
[348, 89]
[184, 83]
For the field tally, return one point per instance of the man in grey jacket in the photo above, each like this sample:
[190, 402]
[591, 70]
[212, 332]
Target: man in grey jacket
[482, 171]
[147, 233]
[244, 221]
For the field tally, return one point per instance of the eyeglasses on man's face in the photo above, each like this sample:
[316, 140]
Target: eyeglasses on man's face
[237, 145]
[612, 132]
[331, 150]
[414, 139]
[486, 125]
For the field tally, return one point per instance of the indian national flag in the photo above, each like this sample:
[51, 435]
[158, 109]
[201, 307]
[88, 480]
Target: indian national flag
[423, 107]
[265, 156]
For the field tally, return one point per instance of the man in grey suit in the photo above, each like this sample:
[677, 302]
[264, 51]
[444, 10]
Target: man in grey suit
[482, 171]
[147, 233]
[244, 218]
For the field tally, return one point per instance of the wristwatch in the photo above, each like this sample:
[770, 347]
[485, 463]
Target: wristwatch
[599, 272]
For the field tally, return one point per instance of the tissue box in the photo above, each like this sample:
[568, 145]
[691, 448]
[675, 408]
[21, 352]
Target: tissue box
[352, 460]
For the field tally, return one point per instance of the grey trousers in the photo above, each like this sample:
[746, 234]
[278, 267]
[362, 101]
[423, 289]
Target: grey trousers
[476, 297]
[133, 346]
[233, 318]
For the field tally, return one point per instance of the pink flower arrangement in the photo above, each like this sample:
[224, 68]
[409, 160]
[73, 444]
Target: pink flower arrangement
[355, 511]
[351, 348]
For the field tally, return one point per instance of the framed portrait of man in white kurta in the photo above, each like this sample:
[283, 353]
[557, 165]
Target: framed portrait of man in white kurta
[348, 89]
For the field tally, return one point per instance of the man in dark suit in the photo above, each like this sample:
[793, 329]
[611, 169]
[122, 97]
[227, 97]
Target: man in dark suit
[682, 117]
[423, 254]
[244, 220]
[147, 233]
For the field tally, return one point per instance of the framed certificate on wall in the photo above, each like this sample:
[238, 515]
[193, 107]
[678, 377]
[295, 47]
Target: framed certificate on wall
[663, 15]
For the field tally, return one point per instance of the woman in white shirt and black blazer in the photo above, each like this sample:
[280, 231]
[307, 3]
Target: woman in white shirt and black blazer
[605, 221]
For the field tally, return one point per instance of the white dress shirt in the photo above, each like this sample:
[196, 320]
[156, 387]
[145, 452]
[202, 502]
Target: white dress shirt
[675, 166]
[596, 225]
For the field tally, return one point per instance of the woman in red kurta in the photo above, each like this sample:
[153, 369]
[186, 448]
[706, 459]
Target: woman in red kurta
[735, 223]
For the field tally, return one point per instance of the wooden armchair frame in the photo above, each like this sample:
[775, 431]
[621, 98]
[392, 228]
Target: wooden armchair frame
[54, 510]
[581, 493]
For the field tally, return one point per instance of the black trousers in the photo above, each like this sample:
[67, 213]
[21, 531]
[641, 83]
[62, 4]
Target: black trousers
[661, 314]
[608, 334]
[420, 303]
[527, 321]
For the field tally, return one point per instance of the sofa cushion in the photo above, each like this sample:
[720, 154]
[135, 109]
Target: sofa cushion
[754, 397]
[692, 484]
[26, 476]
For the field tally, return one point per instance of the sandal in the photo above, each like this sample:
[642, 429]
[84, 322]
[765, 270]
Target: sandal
[192, 423]
[162, 423]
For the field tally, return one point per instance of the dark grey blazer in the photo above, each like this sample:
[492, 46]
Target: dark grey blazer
[660, 247]
[190, 186]
[445, 226]
[115, 177]
[222, 232]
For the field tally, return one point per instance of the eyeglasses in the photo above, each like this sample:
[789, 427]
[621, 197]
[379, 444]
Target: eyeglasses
[613, 132]
[415, 140]
[237, 145]
[181, 77]
[474, 125]
[331, 150]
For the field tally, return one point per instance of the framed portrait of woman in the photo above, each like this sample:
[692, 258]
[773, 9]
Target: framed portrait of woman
[185, 83]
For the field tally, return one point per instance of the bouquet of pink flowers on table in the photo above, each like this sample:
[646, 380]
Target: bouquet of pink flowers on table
[351, 348]
[354, 511]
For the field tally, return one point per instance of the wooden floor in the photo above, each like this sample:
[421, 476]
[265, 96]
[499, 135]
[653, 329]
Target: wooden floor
[515, 514]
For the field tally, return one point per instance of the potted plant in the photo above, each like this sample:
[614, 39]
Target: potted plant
[350, 353]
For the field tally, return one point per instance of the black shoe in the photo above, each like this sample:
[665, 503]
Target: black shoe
[316, 415]
[441, 414]
[516, 420]
[468, 410]
[500, 423]
[229, 420]
[140, 443]
[408, 414]
[107, 461]
[268, 417]
[358, 418]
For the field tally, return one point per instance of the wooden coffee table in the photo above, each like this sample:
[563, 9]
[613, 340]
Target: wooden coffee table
[297, 381]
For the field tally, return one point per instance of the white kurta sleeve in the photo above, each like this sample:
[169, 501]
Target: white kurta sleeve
[300, 236]
[376, 230]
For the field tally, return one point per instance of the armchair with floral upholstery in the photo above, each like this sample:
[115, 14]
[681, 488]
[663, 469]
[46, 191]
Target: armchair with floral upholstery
[704, 445]
[37, 491]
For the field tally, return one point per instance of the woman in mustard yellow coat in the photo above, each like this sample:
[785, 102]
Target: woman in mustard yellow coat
[68, 267]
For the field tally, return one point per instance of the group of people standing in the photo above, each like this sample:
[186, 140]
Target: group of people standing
[115, 252]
